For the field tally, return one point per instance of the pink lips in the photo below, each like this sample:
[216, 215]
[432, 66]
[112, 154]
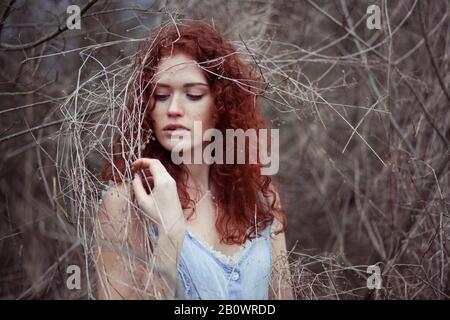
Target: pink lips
[174, 127]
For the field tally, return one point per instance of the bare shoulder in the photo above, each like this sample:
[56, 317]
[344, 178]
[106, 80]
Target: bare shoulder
[278, 237]
[277, 225]
[115, 201]
[117, 192]
[273, 195]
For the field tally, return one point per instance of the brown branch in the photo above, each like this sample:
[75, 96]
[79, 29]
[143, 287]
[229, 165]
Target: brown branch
[5, 14]
[24, 93]
[430, 54]
[42, 126]
[428, 117]
[54, 34]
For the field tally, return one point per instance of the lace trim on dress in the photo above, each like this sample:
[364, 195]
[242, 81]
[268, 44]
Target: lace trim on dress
[226, 259]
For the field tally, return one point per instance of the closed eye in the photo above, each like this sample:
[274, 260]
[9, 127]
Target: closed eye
[161, 97]
[194, 97]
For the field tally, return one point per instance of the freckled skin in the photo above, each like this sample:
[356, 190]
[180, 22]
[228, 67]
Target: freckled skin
[177, 103]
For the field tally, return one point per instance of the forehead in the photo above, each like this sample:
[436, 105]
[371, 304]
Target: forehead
[177, 70]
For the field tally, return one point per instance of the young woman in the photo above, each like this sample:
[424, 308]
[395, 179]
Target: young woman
[194, 230]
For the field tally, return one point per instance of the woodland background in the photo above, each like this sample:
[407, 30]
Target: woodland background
[364, 119]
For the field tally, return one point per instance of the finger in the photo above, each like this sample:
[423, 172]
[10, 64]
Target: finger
[147, 181]
[145, 174]
[139, 190]
[156, 168]
[145, 167]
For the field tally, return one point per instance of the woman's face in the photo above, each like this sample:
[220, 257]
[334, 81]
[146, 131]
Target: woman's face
[182, 96]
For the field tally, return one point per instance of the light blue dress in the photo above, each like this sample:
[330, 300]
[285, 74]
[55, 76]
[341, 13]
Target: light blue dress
[204, 273]
[207, 274]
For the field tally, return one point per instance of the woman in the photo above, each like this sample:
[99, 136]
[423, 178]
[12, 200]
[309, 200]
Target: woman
[220, 227]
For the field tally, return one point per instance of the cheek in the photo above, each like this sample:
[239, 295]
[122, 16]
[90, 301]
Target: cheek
[206, 115]
[156, 116]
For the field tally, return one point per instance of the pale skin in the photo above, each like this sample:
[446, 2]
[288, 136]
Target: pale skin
[182, 96]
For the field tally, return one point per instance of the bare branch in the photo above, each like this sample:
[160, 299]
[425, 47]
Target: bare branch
[54, 34]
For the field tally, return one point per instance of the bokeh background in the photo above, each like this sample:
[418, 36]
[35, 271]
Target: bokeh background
[364, 119]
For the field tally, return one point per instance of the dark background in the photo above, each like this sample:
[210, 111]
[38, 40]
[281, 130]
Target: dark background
[363, 116]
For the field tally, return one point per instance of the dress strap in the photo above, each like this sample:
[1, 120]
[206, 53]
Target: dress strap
[154, 231]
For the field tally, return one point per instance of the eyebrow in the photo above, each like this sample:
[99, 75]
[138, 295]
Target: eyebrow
[186, 85]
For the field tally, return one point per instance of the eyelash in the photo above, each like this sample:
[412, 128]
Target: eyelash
[161, 97]
[194, 97]
[164, 97]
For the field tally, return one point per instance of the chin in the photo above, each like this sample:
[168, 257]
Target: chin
[174, 145]
[183, 151]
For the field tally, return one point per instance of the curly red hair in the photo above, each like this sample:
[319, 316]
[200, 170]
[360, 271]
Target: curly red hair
[249, 200]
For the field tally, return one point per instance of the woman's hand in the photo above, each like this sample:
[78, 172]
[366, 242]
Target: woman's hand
[162, 204]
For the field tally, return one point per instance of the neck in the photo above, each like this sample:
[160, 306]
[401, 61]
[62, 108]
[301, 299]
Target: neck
[198, 177]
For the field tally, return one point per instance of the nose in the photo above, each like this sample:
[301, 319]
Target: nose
[175, 107]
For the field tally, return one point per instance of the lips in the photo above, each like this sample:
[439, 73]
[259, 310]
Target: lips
[175, 127]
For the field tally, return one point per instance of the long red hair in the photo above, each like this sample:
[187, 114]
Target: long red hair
[242, 192]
